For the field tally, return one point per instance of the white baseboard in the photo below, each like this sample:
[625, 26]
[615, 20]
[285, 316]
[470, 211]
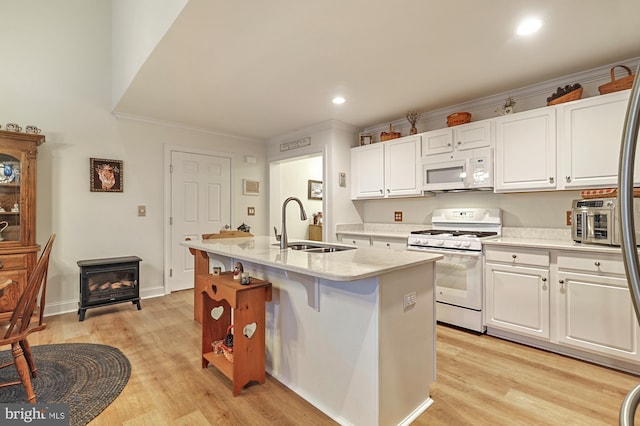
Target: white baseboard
[67, 306]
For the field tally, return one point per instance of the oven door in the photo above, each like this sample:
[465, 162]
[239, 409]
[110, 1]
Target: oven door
[459, 277]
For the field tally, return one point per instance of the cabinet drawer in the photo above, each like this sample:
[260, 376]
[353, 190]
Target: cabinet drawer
[9, 298]
[389, 243]
[518, 257]
[593, 263]
[13, 261]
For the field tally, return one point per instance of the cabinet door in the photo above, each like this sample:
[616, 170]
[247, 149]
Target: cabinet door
[517, 299]
[472, 135]
[367, 169]
[437, 142]
[591, 136]
[526, 151]
[596, 313]
[401, 159]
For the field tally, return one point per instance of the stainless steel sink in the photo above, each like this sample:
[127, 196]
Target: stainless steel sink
[317, 248]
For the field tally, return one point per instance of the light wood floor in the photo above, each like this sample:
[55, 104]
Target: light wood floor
[481, 380]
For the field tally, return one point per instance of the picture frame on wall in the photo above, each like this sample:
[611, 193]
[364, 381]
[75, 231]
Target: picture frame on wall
[314, 190]
[106, 175]
[250, 187]
[366, 138]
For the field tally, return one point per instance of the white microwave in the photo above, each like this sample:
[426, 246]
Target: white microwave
[462, 170]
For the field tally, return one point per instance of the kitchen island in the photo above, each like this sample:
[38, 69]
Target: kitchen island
[338, 332]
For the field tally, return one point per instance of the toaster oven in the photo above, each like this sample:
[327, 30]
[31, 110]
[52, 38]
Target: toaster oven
[597, 221]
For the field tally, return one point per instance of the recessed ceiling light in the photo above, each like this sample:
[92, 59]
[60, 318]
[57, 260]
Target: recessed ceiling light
[529, 26]
[338, 100]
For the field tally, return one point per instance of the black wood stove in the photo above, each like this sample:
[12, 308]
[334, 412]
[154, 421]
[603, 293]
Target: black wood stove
[108, 281]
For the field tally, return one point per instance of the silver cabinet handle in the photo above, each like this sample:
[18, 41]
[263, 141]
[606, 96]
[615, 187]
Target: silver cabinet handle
[544, 279]
[568, 178]
[552, 179]
[513, 256]
[381, 191]
[459, 142]
[597, 263]
[449, 144]
[388, 191]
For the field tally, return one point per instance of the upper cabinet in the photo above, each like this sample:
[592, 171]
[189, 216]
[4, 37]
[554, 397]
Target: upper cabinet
[386, 169]
[465, 136]
[590, 135]
[526, 151]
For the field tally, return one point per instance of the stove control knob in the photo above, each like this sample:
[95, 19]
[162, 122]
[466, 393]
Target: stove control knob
[439, 242]
[424, 241]
[466, 244]
[457, 243]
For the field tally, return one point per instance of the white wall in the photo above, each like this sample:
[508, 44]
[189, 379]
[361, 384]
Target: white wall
[59, 79]
[529, 210]
[140, 24]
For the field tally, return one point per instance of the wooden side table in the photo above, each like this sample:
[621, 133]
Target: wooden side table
[220, 295]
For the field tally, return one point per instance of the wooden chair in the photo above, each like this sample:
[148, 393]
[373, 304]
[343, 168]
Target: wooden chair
[24, 322]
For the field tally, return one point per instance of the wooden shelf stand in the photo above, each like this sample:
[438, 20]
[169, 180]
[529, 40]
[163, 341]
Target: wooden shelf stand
[222, 299]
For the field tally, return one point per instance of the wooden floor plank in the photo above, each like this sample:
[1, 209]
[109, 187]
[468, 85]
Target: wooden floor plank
[481, 380]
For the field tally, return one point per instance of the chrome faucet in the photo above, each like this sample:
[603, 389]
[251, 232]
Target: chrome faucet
[284, 242]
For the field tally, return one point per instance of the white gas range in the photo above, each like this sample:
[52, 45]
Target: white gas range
[457, 234]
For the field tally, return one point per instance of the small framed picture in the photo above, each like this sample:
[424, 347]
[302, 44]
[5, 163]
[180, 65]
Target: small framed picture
[366, 138]
[250, 187]
[315, 190]
[106, 175]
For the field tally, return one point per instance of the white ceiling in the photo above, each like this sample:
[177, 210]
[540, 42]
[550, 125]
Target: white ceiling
[261, 69]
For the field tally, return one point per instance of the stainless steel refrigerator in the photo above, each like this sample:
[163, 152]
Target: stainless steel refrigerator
[629, 244]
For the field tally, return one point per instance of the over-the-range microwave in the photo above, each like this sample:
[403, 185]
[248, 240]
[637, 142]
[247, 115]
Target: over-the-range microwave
[470, 169]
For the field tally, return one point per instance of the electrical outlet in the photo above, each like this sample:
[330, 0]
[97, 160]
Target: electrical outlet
[568, 217]
[397, 216]
[409, 300]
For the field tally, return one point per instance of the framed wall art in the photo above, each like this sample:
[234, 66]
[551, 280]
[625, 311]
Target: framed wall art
[106, 175]
[314, 190]
[250, 187]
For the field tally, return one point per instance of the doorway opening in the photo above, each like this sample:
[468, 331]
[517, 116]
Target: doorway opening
[291, 178]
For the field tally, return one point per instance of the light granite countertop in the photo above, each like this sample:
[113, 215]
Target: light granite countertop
[382, 230]
[347, 265]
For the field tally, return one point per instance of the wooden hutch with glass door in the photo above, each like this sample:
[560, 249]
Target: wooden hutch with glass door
[18, 248]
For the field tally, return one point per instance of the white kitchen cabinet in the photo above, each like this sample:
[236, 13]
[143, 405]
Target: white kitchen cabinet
[594, 307]
[517, 291]
[387, 169]
[526, 151]
[465, 136]
[367, 169]
[389, 243]
[591, 132]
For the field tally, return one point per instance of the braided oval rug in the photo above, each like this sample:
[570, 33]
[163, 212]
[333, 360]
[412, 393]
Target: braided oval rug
[86, 376]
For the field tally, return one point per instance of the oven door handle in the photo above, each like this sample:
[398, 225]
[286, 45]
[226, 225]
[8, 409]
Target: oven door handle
[589, 221]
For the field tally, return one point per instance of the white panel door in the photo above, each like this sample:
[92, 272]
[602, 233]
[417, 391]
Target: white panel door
[200, 204]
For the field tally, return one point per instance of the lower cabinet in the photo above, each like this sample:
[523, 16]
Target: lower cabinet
[594, 309]
[517, 291]
[389, 243]
[355, 240]
[573, 302]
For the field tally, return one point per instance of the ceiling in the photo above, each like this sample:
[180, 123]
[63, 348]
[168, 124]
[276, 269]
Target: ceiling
[261, 69]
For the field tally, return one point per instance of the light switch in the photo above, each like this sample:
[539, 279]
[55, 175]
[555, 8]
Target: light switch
[142, 210]
[251, 211]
